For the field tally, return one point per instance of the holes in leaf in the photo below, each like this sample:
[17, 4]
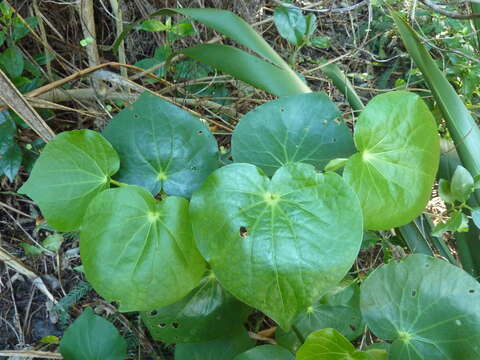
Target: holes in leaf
[162, 325]
[414, 292]
[471, 291]
[243, 231]
[352, 327]
[282, 109]
[153, 313]
[200, 132]
[136, 116]
[175, 325]
[193, 168]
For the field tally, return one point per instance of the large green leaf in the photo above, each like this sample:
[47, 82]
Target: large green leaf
[206, 313]
[277, 244]
[266, 352]
[339, 309]
[91, 337]
[461, 125]
[248, 68]
[72, 169]
[162, 146]
[399, 150]
[429, 308]
[329, 344]
[139, 251]
[299, 128]
[225, 348]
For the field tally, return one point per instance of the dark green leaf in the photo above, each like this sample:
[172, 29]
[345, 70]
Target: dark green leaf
[220, 349]
[8, 130]
[269, 242]
[91, 337]
[476, 217]
[44, 58]
[11, 61]
[162, 147]
[139, 251]
[153, 25]
[248, 68]
[2, 37]
[339, 309]
[206, 313]
[19, 28]
[299, 128]
[10, 161]
[394, 170]
[462, 183]
[291, 24]
[429, 308]
[266, 352]
[72, 169]
[329, 344]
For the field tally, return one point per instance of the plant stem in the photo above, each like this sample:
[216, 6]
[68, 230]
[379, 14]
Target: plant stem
[299, 334]
[117, 183]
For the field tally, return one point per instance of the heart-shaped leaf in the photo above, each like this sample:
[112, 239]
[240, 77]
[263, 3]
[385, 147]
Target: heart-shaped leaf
[329, 344]
[298, 128]
[138, 251]
[394, 170]
[277, 244]
[162, 147]
[339, 309]
[219, 349]
[266, 352]
[206, 313]
[72, 169]
[429, 308]
[92, 337]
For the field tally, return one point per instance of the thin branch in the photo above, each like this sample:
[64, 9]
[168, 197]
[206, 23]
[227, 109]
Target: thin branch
[454, 15]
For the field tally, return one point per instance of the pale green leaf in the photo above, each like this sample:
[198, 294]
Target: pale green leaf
[291, 24]
[461, 185]
[394, 170]
[139, 251]
[72, 169]
[266, 352]
[277, 244]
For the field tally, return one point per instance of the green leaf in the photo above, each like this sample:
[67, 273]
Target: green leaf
[31, 250]
[2, 37]
[139, 251]
[445, 192]
[92, 337]
[20, 30]
[462, 183]
[266, 352]
[220, 349]
[399, 150]
[8, 130]
[329, 344]
[339, 309]
[153, 25]
[427, 307]
[299, 128]
[269, 242]
[10, 161]
[72, 169]
[53, 242]
[476, 216]
[321, 42]
[162, 147]
[206, 313]
[248, 68]
[11, 60]
[461, 125]
[457, 222]
[291, 24]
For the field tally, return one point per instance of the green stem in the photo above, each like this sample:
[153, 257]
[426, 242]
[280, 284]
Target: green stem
[117, 183]
[299, 334]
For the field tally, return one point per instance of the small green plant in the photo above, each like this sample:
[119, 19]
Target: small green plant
[193, 246]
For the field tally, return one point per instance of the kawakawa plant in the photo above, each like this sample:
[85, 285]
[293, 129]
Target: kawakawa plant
[165, 231]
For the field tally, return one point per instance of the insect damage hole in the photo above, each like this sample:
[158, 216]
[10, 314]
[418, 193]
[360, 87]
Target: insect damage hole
[471, 291]
[175, 325]
[243, 231]
[162, 325]
[153, 313]
[414, 292]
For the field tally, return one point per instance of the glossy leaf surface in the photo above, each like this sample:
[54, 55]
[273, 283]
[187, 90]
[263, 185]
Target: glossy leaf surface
[266, 352]
[220, 349]
[162, 147]
[277, 244]
[429, 308]
[72, 169]
[92, 337]
[329, 344]
[394, 170]
[339, 309]
[138, 251]
[206, 313]
[299, 128]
